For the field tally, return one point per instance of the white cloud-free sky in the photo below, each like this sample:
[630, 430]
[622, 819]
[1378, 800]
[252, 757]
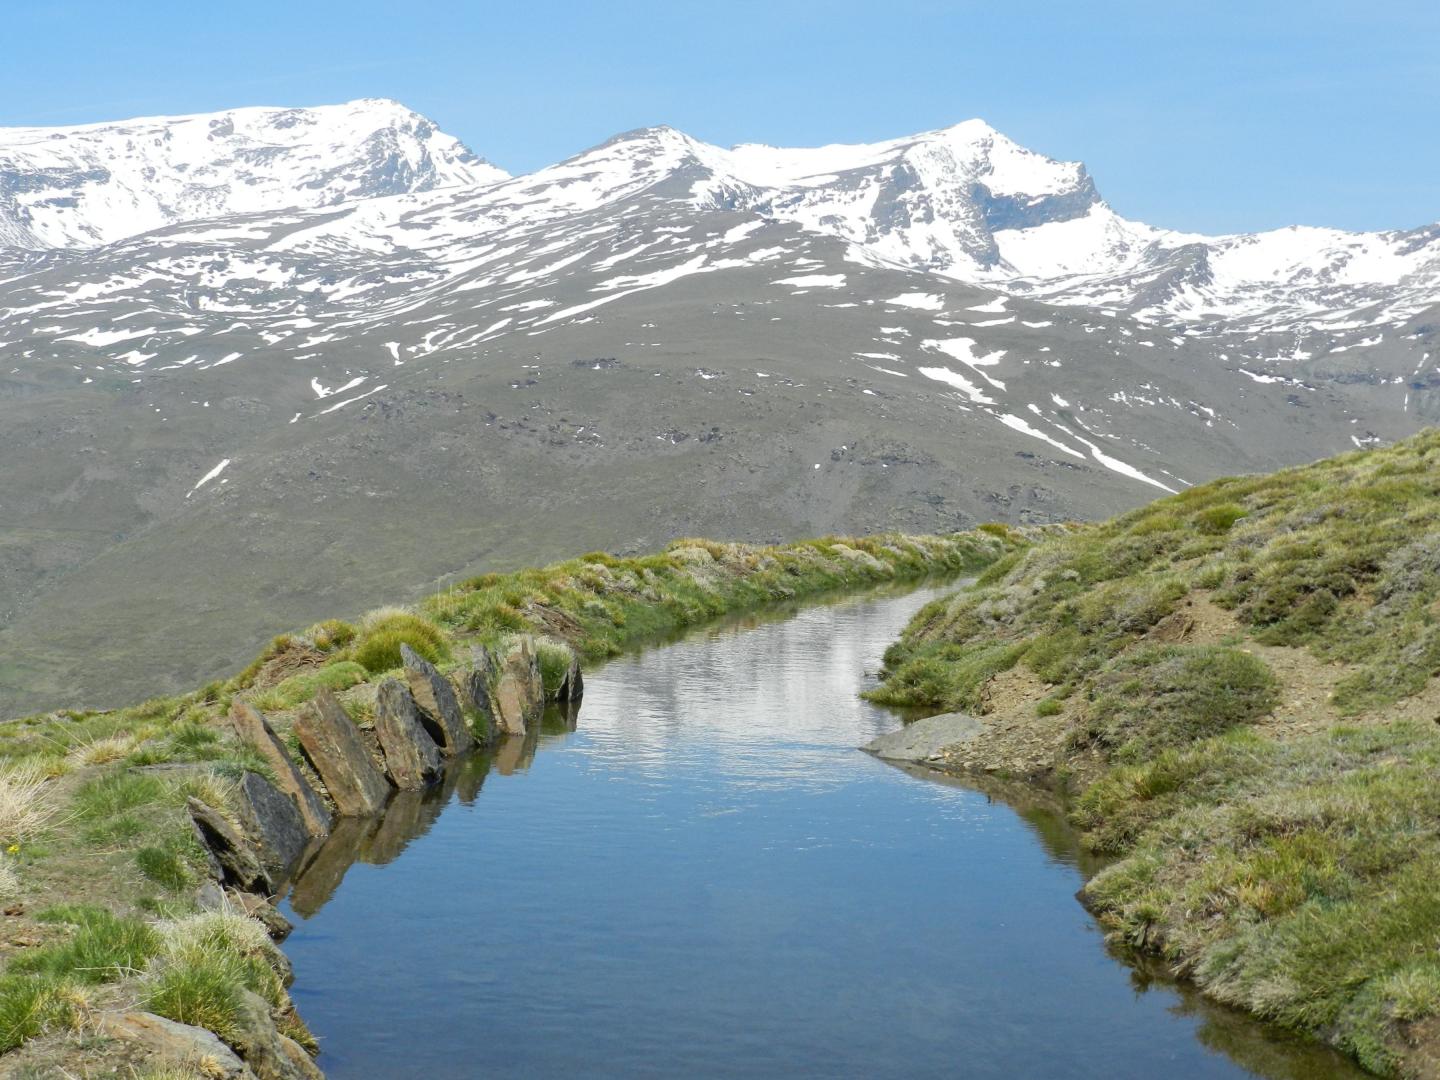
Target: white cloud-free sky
[1217, 117]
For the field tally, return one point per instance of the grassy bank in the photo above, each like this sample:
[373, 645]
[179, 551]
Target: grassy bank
[98, 865]
[1238, 682]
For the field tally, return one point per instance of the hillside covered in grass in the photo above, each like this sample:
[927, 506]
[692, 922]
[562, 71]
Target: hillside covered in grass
[100, 866]
[1237, 684]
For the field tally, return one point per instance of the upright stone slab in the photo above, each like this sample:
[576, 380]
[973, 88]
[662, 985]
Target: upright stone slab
[232, 861]
[509, 704]
[439, 708]
[333, 745]
[273, 823]
[572, 686]
[473, 690]
[519, 690]
[411, 757]
[525, 658]
[252, 727]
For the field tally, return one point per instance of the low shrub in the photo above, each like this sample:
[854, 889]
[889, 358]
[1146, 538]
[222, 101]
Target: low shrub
[1166, 697]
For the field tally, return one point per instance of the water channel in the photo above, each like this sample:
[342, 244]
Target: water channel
[700, 875]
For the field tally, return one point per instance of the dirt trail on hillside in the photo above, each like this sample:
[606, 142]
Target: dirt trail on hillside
[1017, 741]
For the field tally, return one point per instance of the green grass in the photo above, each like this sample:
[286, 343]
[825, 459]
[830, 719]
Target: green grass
[204, 966]
[165, 866]
[1342, 557]
[554, 658]
[600, 605]
[1164, 697]
[31, 1005]
[1293, 878]
[102, 948]
[378, 647]
[336, 676]
[116, 792]
[204, 992]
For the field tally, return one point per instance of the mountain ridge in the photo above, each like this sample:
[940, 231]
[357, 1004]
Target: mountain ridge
[236, 161]
[635, 344]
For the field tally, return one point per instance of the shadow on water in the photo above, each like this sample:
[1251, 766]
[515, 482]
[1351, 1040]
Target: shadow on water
[678, 786]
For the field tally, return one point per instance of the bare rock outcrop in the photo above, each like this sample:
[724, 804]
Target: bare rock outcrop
[177, 1046]
[268, 1053]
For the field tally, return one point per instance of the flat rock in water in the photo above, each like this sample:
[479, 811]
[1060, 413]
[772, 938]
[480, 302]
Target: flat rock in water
[273, 822]
[439, 708]
[252, 727]
[924, 739]
[333, 745]
[411, 757]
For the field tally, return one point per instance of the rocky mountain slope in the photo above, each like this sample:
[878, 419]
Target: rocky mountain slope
[384, 362]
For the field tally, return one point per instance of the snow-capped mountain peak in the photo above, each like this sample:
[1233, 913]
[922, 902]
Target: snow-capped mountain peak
[93, 184]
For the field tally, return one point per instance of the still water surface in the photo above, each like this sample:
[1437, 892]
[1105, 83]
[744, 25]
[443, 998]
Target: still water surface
[701, 876]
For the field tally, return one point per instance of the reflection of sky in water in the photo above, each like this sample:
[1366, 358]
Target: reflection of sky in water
[708, 879]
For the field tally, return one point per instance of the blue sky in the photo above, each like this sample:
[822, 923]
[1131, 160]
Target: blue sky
[1216, 116]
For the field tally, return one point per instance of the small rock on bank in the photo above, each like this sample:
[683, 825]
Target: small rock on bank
[924, 739]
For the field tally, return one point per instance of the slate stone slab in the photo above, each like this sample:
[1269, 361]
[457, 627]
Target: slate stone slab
[519, 689]
[333, 746]
[439, 708]
[230, 854]
[572, 686]
[273, 823]
[474, 685]
[252, 727]
[411, 757]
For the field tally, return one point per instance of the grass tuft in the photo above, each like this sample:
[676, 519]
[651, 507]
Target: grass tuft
[383, 632]
[25, 805]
